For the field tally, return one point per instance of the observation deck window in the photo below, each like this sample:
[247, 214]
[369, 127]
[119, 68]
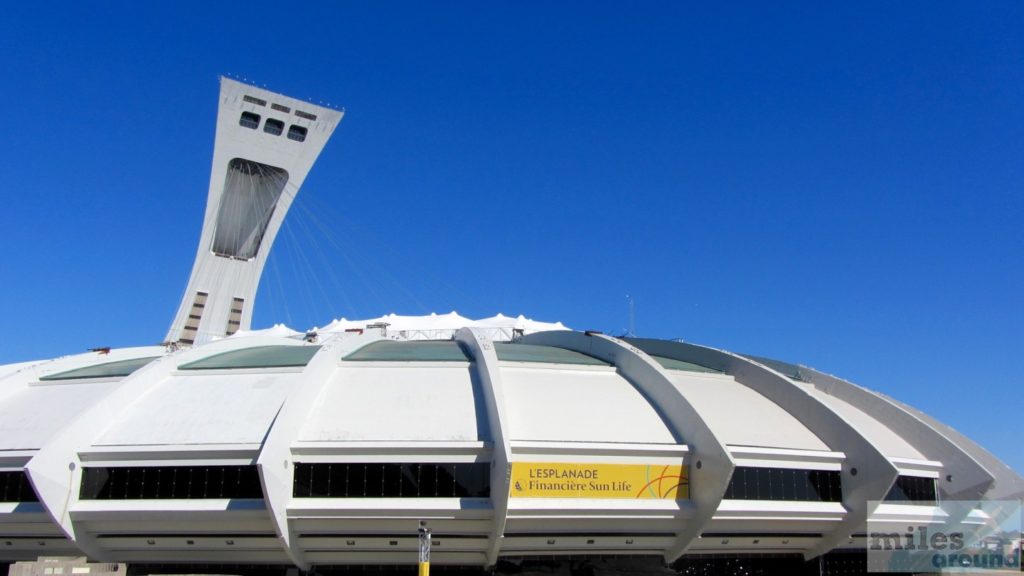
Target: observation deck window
[297, 133]
[249, 120]
[273, 126]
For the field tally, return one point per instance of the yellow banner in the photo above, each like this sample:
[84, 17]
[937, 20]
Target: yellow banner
[572, 480]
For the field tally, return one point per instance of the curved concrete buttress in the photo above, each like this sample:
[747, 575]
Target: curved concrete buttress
[56, 470]
[867, 474]
[962, 477]
[275, 462]
[486, 366]
[1008, 484]
[710, 466]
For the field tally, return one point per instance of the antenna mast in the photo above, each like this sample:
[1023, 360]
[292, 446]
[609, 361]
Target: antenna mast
[631, 332]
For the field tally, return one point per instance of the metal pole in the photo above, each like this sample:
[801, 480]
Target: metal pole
[424, 550]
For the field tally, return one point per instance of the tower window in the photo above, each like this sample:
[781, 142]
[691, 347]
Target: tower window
[188, 333]
[297, 133]
[249, 120]
[274, 127]
[235, 318]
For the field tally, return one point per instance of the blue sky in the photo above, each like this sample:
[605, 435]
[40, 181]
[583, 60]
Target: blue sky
[835, 185]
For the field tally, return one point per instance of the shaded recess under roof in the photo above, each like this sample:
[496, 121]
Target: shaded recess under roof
[414, 351]
[512, 352]
[118, 369]
[255, 357]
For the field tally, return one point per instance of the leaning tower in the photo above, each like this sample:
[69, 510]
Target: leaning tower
[265, 145]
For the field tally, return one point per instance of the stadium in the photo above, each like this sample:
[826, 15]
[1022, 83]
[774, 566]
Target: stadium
[521, 445]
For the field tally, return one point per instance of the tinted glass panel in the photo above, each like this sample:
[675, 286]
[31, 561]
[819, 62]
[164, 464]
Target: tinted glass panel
[249, 120]
[469, 480]
[170, 482]
[297, 133]
[255, 357]
[668, 363]
[673, 364]
[15, 487]
[275, 127]
[118, 369]
[749, 483]
[418, 351]
[912, 489]
[791, 371]
[510, 352]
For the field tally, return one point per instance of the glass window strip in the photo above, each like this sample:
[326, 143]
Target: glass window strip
[913, 489]
[16, 487]
[392, 480]
[170, 483]
[784, 484]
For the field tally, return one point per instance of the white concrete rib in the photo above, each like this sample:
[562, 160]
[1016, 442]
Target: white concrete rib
[486, 367]
[962, 476]
[710, 465]
[275, 463]
[867, 475]
[56, 469]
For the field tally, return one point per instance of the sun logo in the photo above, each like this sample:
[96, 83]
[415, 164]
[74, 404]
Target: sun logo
[657, 489]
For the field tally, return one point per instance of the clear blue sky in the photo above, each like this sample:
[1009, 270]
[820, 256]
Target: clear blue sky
[835, 185]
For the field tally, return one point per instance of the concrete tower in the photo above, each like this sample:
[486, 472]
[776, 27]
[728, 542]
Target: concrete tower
[265, 145]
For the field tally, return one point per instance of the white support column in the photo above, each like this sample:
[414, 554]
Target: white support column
[275, 463]
[867, 475]
[710, 466]
[486, 365]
